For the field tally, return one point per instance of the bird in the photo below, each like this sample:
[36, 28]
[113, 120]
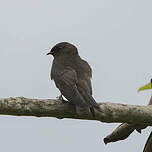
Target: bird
[72, 76]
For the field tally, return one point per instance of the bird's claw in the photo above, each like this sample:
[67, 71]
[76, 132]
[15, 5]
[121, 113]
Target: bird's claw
[61, 98]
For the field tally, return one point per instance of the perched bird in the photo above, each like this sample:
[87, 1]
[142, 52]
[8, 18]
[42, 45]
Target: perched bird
[72, 76]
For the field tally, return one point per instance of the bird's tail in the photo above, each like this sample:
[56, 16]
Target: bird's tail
[91, 103]
[92, 112]
[80, 110]
[94, 104]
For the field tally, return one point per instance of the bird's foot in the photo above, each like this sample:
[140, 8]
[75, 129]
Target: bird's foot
[61, 98]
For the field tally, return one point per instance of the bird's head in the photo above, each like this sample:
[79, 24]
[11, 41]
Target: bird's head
[63, 48]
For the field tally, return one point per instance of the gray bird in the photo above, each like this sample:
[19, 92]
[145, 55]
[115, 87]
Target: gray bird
[72, 77]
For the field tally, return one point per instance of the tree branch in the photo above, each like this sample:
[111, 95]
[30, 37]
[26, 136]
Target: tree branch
[124, 130]
[112, 112]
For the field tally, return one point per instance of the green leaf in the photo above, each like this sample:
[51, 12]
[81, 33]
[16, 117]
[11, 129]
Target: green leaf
[145, 87]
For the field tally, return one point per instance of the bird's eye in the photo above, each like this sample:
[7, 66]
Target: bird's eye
[52, 51]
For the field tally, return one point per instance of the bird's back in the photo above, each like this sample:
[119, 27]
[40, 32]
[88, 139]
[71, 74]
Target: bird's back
[84, 74]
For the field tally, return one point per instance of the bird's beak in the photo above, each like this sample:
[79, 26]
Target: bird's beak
[49, 53]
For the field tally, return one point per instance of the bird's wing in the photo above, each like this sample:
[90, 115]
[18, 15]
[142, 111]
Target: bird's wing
[84, 87]
[66, 82]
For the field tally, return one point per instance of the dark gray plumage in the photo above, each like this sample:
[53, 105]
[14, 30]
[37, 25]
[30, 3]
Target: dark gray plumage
[72, 77]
